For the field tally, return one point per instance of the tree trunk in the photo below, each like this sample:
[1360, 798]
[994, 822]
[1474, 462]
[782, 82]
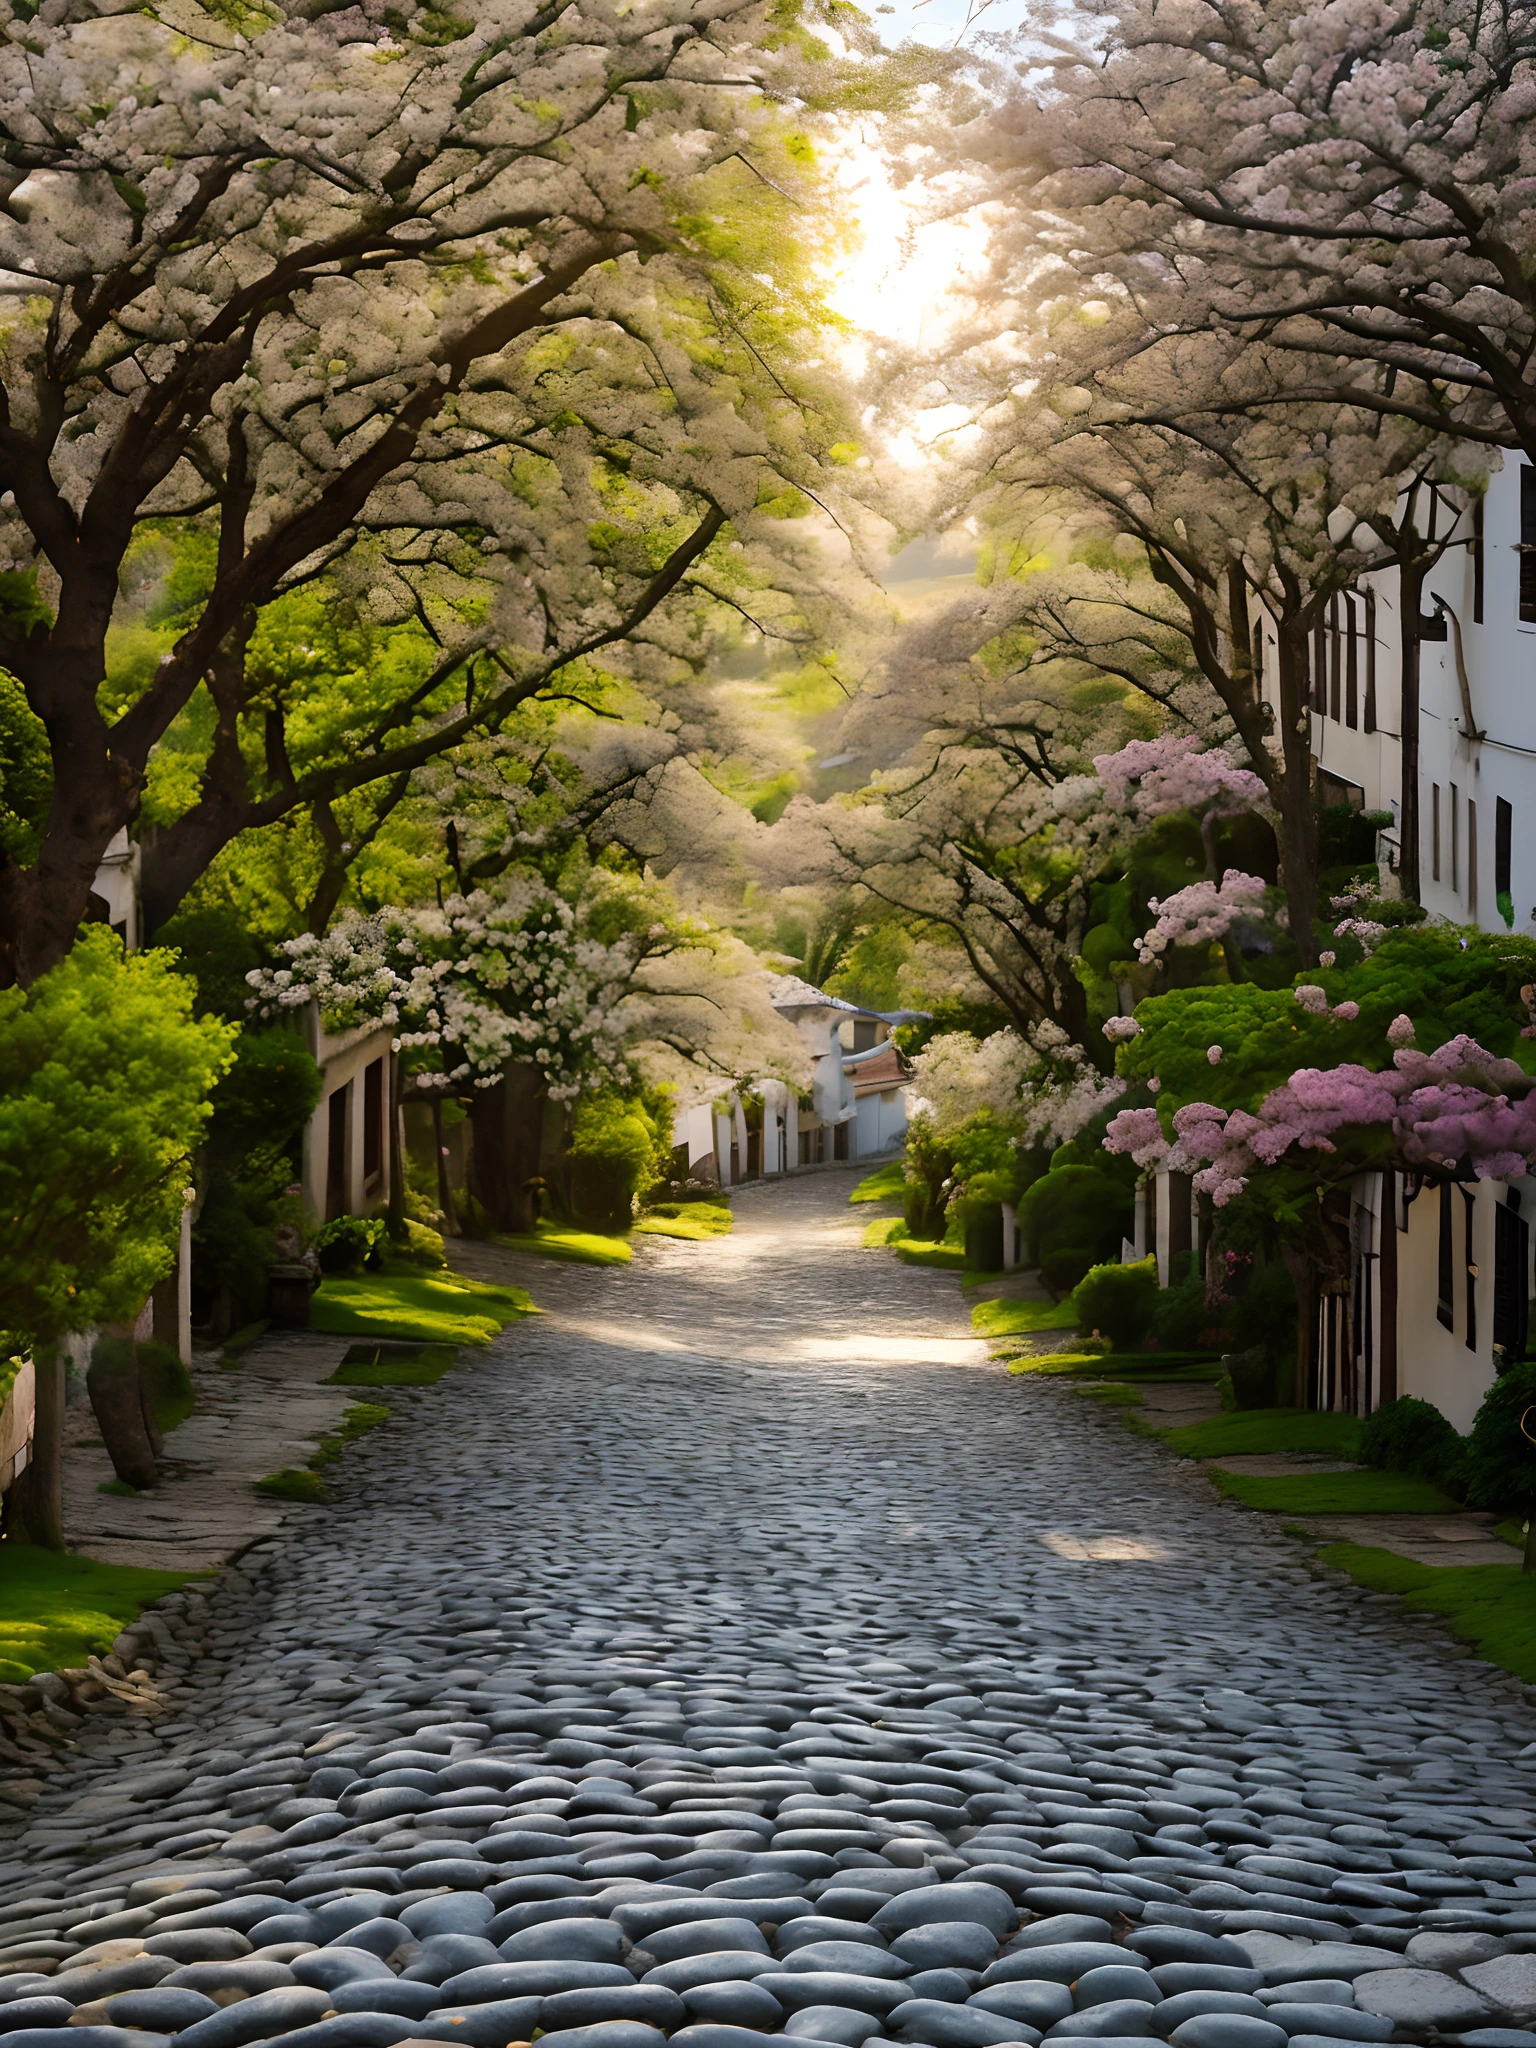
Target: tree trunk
[39, 1492]
[507, 1122]
[1410, 855]
[1297, 825]
[1304, 1275]
[117, 1400]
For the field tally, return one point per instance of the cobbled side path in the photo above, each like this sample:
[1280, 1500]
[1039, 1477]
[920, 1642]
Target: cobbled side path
[734, 1651]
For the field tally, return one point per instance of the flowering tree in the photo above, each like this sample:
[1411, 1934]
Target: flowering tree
[487, 319]
[523, 998]
[1350, 177]
[1274, 1100]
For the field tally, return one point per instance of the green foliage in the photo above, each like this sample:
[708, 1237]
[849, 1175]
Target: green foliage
[1268, 1429]
[214, 948]
[884, 1230]
[1074, 1217]
[1409, 1435]
[427, 1308]
[104, 1080]
[1335, 1493]
[349, 1245]
[250, 1158]
[57, 1610]
[1019, 1318]
[871, 970]
[886, 1184]
[929, 1165]
[1447, 979]
[1499, 1466]
[1180, 1317]
[1264, 1313]
[1492, 1606]
[26, 774]
[1118, 1300]
[621, 1149]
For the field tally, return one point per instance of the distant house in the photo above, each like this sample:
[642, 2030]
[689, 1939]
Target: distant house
[860, 1082]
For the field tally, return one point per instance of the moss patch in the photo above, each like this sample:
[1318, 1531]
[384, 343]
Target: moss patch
[392, 1365]
[290, 1484]
[357, 1421]
[886, 1184]
[1126, 1368]
[1335, 1493]
[1492, 1606]
[427, 1308]
[695, 1221]
[55, 1610]
[912, 1251]
[1266, 1429]
[1021, 1318]
[235, 1346]
[583, 1247]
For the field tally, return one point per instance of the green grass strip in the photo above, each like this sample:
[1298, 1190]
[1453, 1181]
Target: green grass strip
[428, 1308]
[886, 1184]
[1334, 1493]
[55, 1610]
[382, 1365]
[913, 1251]
[1132, 1369]
[1117, 1395]
[884, 1230]
[581, 1247]
[1247, 1434]
[1492, 1606]
[1021, 1318]
[693, 1221]
[290, 1484]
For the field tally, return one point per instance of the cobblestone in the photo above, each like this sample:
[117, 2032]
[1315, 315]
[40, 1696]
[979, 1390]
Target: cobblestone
[733, 1650]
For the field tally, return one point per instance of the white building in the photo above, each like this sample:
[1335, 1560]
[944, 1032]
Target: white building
[857, 1107]
[1441, 1278]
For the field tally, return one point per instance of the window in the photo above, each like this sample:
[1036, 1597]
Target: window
[1468, 1204]
[1477, 560]
[1320, 670]
[1352, 664]
[1434, 831]
[373, 1118]
[1370, 661]
[1455, 837]
[1445, 1307]
[865, 1034]
[1333, 658]
[1471, 860]
[1511, 1282]
[338, 1118]
[1528, 542]
[1503, 849]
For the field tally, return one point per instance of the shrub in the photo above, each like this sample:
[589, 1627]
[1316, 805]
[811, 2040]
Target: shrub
[1252, 1376]
[1499, 1459]
[621, 1148]
[1072, 1218]
[421, 1246]
[1410, 1435]
[1181, 1320]
[1265, 1312]
[350, 1244]
[1118, 1300]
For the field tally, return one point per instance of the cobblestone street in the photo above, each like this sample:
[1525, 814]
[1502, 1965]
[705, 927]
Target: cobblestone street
[733, 1647]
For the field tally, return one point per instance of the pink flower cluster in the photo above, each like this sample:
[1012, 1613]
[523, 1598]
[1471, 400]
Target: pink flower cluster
[1447, 1111]
[1155, 777]
[1119, 1030]
[1203, 912]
